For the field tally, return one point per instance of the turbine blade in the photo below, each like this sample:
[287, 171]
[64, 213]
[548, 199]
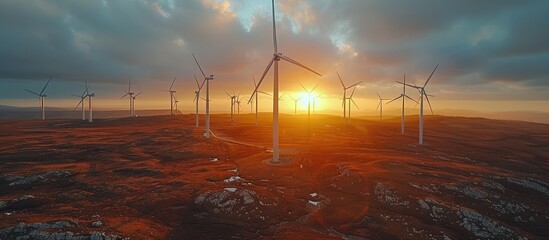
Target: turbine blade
[228, 94]
[172, 83]
[341, 81]
[125, 95]
[137, 94]
[315, 87]
[354, 85]
[45, 86]
[203, 74]
[352, 93]
[262, 77]
[394, 99]
[378, 95]
[197, 84]
[129, 85]
[298, 64]
[274, 30]
[406, 84]
[411, 98]
[303, 87]
[427, 98]
[430, 76]
[266, 93]
[78, 105]
[378, 105]
[253, 77]
[355, 104]
[32, 92]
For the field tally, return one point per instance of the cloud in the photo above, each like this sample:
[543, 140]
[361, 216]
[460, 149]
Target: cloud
[475, 43]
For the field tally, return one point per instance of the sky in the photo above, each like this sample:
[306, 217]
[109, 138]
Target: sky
[492, 55]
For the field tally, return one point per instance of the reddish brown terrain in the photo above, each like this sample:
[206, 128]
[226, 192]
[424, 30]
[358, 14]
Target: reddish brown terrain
[158, 178]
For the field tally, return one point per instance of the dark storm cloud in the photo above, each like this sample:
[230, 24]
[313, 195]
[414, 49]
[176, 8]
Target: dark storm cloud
[475, 42]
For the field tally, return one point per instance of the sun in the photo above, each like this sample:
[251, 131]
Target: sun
[306, 98]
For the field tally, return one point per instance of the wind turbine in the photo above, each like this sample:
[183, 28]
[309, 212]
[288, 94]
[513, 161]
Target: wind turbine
[171, 96]
[133, 103]
[41, 97]
[345, 88]
[90, 109]
[295, 104]
[232, 104]
[81, 103]
[130, 94]
[175, 102]
[207, 80]
[403, 95]
[197, 96]
[353, 101]
[308, 99]
[422, 93]
[275, 59]
[380, 106]
[237, 101]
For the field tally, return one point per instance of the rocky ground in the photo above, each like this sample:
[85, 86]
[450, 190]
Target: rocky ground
[158, 178]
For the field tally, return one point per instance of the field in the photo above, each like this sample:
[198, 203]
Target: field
[157, 177]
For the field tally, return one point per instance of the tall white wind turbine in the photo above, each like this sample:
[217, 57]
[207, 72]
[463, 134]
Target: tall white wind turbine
[403, 96]
[207, 80]
[380, 105]
[130, 94]
[197, 96]
[308, 99]
[276, 57]
[422, 93]
[81, 102]
[345, 88]
[41, 98]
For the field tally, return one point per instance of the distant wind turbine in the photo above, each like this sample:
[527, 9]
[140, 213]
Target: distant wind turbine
[81, 102]
[403, 96]
[130, 94]
[308, 99]
[172, 92]
[422, 93]
[90, 107]
[276, 57]
[175, 102]
[133, 103]
[197, 96]
[295, 104]
[41, 98]
[345, 88]
[350, 99]
[207, 80]
[233, 101]
[380, 105]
